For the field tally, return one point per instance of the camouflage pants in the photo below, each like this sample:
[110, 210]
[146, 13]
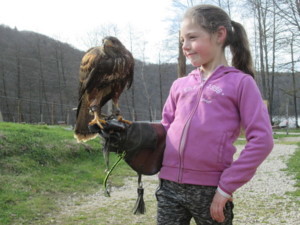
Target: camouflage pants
[179, 203]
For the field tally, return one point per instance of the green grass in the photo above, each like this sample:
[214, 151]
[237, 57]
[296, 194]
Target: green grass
[40, 164]
[276, 136]
[291, 130]
[294, 168]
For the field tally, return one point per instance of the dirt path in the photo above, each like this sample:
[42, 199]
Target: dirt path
[261, 201]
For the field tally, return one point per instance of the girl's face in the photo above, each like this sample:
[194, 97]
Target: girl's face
[199, 46]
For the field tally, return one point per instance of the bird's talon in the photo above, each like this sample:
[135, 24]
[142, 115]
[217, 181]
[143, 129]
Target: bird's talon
[99, 122]
[120, 119]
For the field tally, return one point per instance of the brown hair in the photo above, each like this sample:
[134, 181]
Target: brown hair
[211, 18]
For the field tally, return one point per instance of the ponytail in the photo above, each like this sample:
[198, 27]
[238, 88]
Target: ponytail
[239, 47]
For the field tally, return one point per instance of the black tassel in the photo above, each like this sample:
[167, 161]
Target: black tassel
[139, 207]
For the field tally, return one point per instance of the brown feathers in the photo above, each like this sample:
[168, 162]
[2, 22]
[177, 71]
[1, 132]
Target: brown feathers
[104, 73]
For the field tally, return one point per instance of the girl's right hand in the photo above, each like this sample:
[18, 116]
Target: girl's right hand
[217, 207]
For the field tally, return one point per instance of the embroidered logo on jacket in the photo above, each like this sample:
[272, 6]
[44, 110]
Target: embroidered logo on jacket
[190, 88]
[216, 89]
[211, 92]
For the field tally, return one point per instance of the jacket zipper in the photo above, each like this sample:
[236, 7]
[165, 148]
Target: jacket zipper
[185, 130]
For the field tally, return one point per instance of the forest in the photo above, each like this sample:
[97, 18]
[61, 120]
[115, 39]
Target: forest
[39, 74]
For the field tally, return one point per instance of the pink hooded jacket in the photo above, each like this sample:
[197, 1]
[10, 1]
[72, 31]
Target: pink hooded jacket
[203, 120]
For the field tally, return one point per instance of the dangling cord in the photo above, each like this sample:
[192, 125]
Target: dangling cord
[105, 152]
[139, 207]
[107, 192]
[106, 155]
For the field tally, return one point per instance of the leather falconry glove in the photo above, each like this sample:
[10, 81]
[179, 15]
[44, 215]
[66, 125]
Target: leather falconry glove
[142, 142]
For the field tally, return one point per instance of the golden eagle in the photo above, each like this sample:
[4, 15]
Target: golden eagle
[104, 73]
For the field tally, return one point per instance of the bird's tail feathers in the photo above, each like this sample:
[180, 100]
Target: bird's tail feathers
[82, 131]
[84, 137]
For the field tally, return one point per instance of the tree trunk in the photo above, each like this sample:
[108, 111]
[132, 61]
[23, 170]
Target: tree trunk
[294, 81]
[19, 106]
[160, 85]
[261, 48]
[42, 88]
[134, 115]
[127, 103]
[60, 87]
[5, 97]
[181, 60]
[147, 92]
[271, 95]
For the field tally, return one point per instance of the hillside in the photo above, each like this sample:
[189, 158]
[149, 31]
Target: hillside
[39, 82]
[37, 76]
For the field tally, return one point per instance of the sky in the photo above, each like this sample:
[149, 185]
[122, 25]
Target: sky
[71, 21]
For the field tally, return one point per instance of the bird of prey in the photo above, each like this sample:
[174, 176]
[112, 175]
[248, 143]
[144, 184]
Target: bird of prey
[105, 71]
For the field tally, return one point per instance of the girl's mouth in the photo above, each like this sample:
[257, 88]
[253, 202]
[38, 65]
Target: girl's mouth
[189, 54]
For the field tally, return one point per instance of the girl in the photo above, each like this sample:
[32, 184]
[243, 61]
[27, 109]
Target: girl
[203, 116]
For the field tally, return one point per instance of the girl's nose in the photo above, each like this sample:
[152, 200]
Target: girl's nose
[185, 45]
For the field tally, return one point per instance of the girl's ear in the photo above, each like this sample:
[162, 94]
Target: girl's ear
[221, 34]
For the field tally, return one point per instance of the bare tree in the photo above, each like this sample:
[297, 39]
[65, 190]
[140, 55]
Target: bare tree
[289, 10]
[147, 93]
[60, 77]
[268, 40]
[133, 109]
[294, 81]
[226, 5]
[271, 94]
[94, 37]
[181, 60]
[42, 88]
[160, 83]
[4, 90]
[19, 85]
[260, 15]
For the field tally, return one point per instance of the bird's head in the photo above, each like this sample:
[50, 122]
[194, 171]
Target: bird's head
[112, 46]
[111, 41]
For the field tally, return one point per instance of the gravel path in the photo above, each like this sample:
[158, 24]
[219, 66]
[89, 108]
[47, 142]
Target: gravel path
[261, 201]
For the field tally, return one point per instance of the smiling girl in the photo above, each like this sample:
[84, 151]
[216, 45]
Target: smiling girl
[203, 116]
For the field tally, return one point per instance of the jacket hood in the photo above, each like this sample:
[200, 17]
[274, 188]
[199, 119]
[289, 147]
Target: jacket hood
[218, 72]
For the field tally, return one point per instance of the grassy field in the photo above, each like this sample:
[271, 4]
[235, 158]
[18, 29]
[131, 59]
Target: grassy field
[40, 164]
[294, 169]
[293, 163]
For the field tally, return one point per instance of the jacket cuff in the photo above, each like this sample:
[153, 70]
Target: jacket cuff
[223, 193]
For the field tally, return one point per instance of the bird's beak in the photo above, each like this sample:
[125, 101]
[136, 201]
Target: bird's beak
[107, 42]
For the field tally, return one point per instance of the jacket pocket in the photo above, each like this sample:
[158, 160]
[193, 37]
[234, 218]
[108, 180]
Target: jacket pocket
[221, 148]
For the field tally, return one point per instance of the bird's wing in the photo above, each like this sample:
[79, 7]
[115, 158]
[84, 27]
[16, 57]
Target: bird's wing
[101, 78]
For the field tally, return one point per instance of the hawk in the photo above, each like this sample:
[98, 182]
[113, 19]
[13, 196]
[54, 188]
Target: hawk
[105, 71]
